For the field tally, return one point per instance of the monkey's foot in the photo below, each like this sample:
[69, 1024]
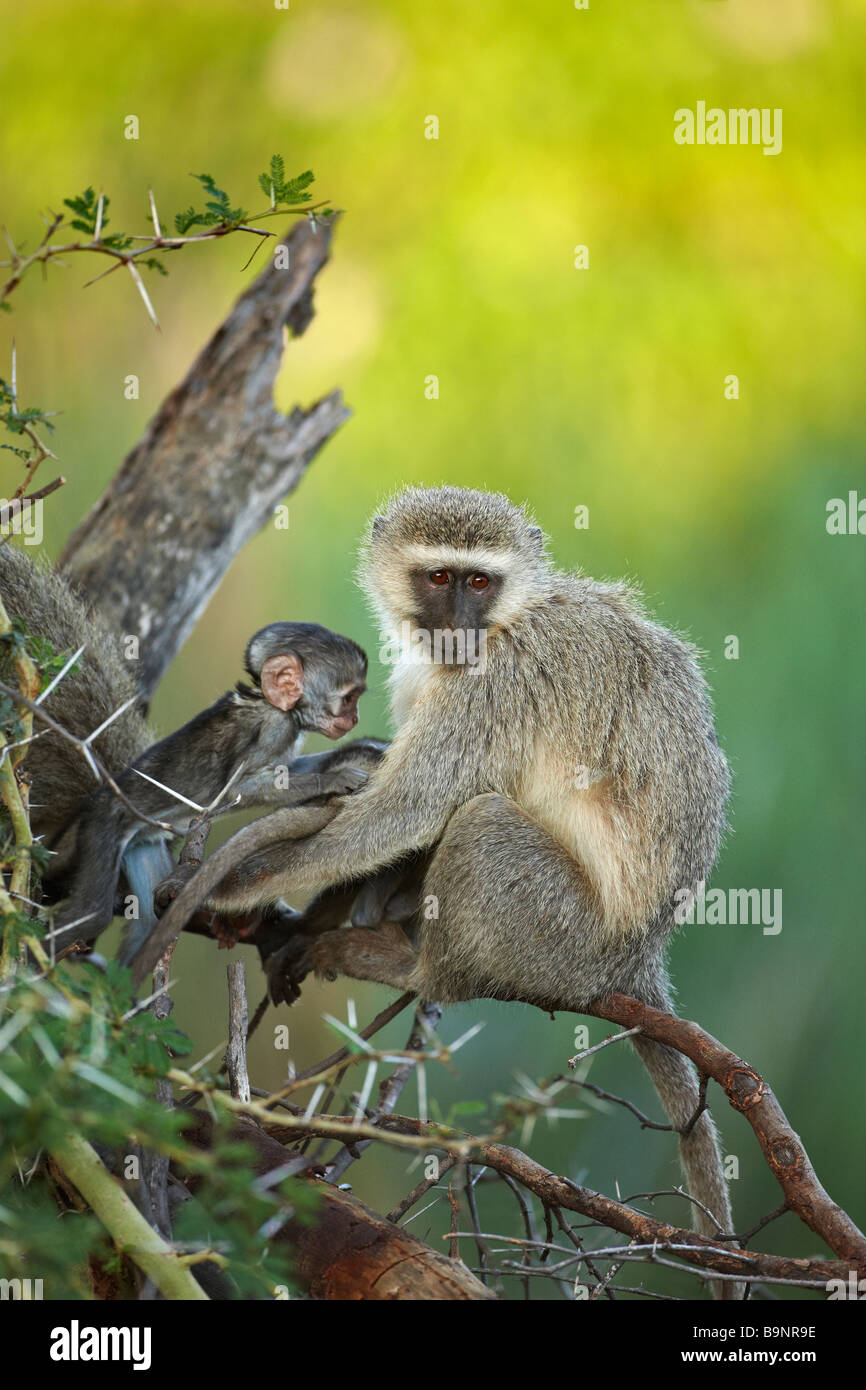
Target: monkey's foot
[227, 931]
[384, 955]
[165, 892]
[343, 781]
[286, 968]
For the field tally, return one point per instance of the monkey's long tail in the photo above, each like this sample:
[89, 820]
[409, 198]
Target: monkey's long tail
[675, 1079]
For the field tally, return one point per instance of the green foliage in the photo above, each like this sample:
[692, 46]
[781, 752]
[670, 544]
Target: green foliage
[86, 209]
[281, 190]
[17, 420]
[41, 652]
[219, 212]
[76, 1053]
[36, 1244]
[21, 642]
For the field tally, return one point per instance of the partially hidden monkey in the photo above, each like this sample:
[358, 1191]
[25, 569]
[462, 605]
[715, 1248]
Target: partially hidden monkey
[568, 786]
[302, 678]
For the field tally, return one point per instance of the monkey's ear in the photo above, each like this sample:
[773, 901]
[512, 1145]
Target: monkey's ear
[377, 525]
[536, 536]
[282, 680]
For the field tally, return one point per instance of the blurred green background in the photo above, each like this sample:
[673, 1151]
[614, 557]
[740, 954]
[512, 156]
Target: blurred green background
[600, 386]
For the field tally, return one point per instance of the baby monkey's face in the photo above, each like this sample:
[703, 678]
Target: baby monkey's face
[314, 675]
[332, 688]
[337, 714]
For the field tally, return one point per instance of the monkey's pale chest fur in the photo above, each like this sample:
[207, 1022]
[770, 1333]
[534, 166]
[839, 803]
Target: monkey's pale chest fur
[586, 822]
[410, 677]
[576, 809]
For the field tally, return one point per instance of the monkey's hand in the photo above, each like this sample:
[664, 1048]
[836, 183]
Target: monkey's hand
[286, 968]
[343, 781]
[165, 892]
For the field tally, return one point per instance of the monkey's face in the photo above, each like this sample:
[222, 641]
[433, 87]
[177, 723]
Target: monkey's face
[451, 560]
[340, 714]
[452, 599]
[311, 673]
[329, 704]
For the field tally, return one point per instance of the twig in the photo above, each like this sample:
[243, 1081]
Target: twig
[445, 1164]
[746, 1236]
[752, 1097]
[427, 1016]
[44, 253]
[236, 1052]
[559, 1191]
[96, 765]
[611, 1038]
[469, 1189]
[379, 1022]
[645, 1121]
[578, 1245]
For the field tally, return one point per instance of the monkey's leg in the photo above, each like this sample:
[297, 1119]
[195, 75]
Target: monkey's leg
[392, 894]
[285, 946]
[144, 863]
[510, 915]
[89, 908]
[384, 955]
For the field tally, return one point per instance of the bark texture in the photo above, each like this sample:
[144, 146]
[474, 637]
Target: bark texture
[210, 468]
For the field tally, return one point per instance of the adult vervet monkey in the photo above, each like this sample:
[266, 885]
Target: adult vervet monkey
[570, 786]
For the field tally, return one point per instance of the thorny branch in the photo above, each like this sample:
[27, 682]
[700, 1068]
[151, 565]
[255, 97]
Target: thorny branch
[48, 250]
[97, 767]
[751, 1096]
[649, 1239]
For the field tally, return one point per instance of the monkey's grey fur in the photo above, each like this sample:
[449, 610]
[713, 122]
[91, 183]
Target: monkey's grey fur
[570, 788]
[100, 684]
[315, 677]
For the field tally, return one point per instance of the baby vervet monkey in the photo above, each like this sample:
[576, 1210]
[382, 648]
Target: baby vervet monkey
[567, 790]
[302, 678]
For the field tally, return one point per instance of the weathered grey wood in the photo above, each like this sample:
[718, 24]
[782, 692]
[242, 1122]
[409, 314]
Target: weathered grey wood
[210, 468]
[236, 1052]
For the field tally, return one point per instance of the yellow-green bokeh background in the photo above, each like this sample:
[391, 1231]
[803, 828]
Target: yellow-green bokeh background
[601, 387]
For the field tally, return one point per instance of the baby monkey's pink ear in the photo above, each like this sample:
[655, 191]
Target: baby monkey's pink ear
[282, 680]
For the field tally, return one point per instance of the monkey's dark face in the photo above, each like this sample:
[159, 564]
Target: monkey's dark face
[470, 537]
[454, 600]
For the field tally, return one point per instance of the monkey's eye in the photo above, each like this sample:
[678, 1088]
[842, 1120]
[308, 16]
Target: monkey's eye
[479, 581]
[439, 577]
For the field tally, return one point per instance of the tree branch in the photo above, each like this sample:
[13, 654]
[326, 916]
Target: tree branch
[557, 1191]
[749, 1094]
[123, 1221]
[348, 1251]
[209, 470]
